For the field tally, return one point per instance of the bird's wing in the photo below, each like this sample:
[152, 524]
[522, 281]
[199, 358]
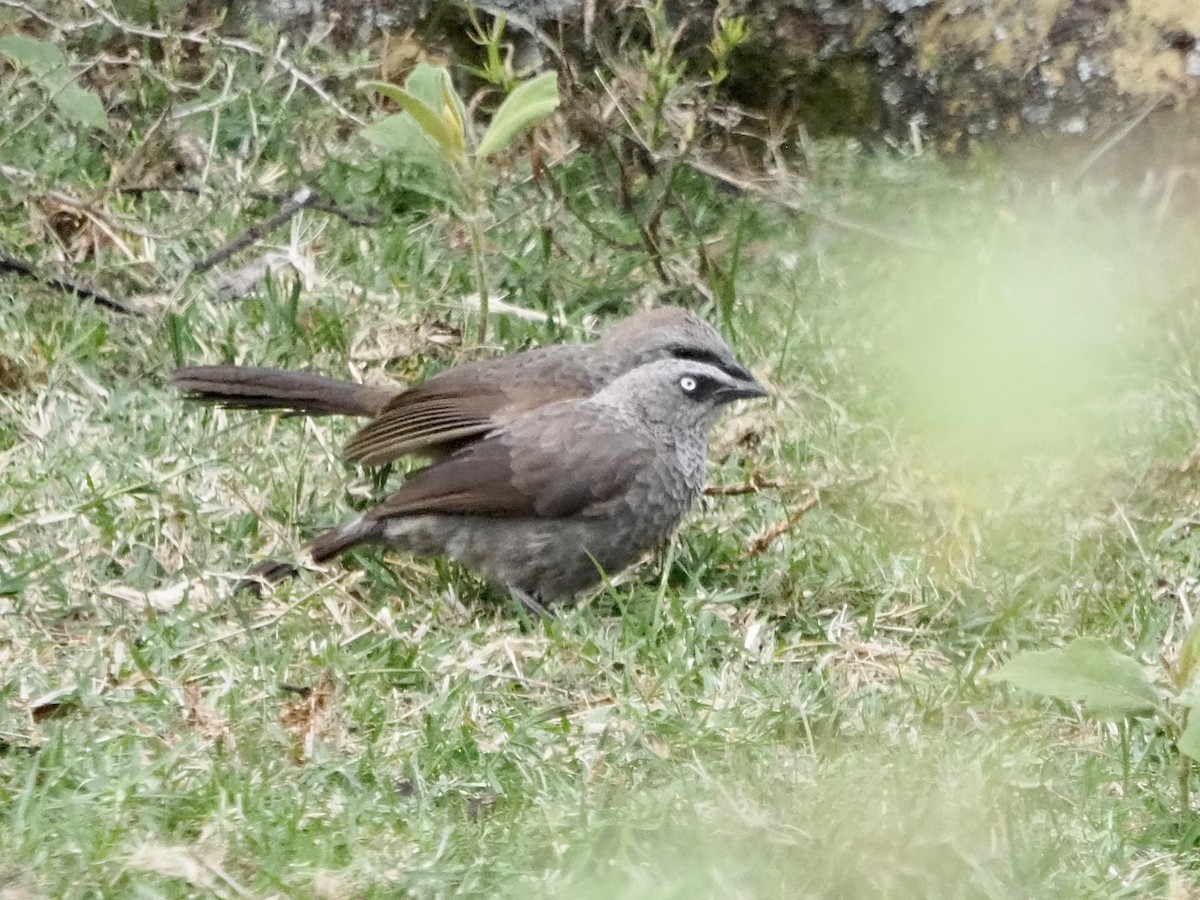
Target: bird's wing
[434, 418]
[563, 460]
[459, 403]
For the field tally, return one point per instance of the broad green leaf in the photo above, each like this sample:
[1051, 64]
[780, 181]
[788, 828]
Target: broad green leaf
[527, 105]
[426, 82]
[1107, 683]
[433, 87]
[423, 166]
[452, 121]
[423, 114]
[49, 66]
[82, 106]
[39, 57]
[1189, 741]
[401, 134]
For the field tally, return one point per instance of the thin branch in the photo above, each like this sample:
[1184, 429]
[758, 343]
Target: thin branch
[367, 218]
[772, 194]
[298, 201]
[566, 200]
[10, 263]
[756, 483]
[759, 545]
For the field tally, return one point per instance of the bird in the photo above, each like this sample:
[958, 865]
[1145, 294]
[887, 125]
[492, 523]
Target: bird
[553, 502]
[460, 404]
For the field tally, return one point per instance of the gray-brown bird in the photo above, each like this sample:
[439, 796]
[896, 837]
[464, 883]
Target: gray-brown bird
[550, 503]
[462, 403]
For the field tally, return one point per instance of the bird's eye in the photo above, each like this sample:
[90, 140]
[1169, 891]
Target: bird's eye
[688, 383]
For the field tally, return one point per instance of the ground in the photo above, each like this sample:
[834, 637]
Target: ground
[979, 442]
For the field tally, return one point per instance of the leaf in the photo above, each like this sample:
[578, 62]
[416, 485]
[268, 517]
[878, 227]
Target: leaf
[49, 66]
[1189, 656]
[426, 82]
[1107, 683]
[402, 135]
[429, 97]
[421, 165]
[527, 105]
[433, 87]
[39, 57]
[1189, 741]
[82, 106]
[424, 115]
[452, 121]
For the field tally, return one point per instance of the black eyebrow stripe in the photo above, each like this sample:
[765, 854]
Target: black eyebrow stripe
[695, 355]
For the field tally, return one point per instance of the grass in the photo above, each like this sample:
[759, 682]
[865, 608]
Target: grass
[995, 432]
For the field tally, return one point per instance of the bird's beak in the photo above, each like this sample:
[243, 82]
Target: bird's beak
[736, 370]
[745, 389]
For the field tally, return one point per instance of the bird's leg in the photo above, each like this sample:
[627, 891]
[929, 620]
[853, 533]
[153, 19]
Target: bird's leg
[531, 603]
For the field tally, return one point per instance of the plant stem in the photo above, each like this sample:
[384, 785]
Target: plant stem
[1185, 793]
[480, 276]
[1185, 770]
[1123, 730]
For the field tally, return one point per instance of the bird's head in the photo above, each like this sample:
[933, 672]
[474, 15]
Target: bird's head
[670, 332]
[679, 393]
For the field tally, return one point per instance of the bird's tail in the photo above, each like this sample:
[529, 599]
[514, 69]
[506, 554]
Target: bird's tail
[322, 548]
[301, 393]
[266, 572]
[337, 541]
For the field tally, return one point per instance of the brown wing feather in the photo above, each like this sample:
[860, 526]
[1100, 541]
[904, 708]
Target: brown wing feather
[436, 414]
[561, 461]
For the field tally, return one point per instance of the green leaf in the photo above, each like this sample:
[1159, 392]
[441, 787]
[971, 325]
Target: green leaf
[1107, 683]
[432, 86]
[39, 57]
[428, 96]
[453, 122]
[82, 106]
[48, 64]
[1189, 656]
[401, 134]
[422, 166]
[425, 82]
[424, 115]
[1189, 741]
[531, 102]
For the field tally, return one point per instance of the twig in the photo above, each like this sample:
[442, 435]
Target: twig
[511, 14]
[759, 545]
[298, 201]
[756, 483]
[367, 218]
[12, 264]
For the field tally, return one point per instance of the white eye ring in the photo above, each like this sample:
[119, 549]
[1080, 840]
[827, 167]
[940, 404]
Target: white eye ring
[688, 383]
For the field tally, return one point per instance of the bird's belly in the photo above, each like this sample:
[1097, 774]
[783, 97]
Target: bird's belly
[551, 558]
